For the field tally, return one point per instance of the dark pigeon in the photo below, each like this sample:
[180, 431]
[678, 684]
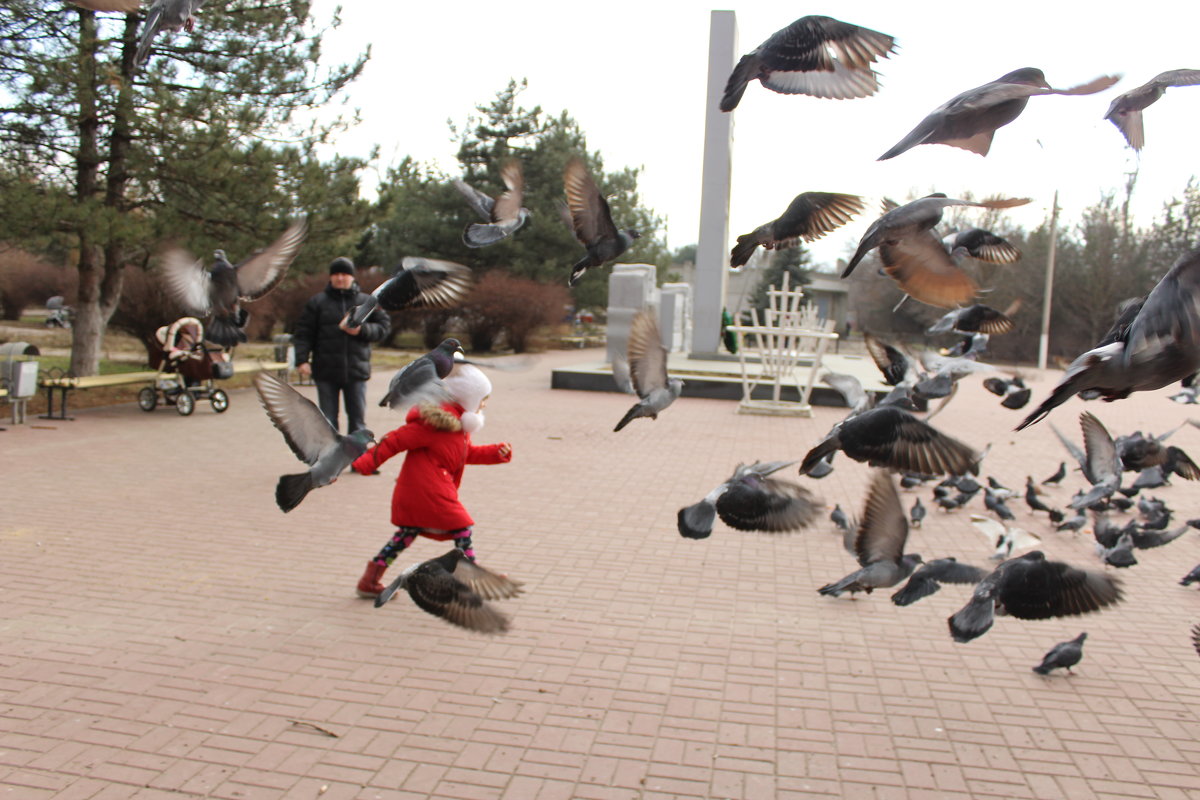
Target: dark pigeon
[310, 436]
[221, 290]
[1126, 111]
[1191, 577]
[929, 578]
[810, 216]
[416, 283]
[501, 217]
[1063, 655]
[421, 379]
[751, 501]
[1152, 345]
[815, 55]
[456, 589]
[592, 221]
[1030, 587]
[983, 245]
[1057, 477]
[976, 318]
[879, 544]
[970, 120]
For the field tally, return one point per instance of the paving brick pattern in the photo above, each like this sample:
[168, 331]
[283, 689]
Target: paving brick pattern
[166, 632]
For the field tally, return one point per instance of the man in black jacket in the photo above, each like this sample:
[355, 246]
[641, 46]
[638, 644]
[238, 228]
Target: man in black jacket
[341, 356]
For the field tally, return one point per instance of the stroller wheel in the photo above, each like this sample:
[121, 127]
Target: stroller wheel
[185, 404]
[220, 401]
[147, 399]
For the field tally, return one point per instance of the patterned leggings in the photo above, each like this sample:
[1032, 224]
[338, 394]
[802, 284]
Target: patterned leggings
[405, 536]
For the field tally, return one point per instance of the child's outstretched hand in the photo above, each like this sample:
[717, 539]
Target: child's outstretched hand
[505, 449]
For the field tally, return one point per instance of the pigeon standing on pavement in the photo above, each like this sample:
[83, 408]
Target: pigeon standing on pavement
[879, 544]
[310, 436]
[456, 589]
[751, 501]
[165, 15]
[647, 359]
[917, 514]
[416, 283]
[1154, 344]
[914, 257]
[810, 216]
[1059, 474]
[1031, 587]
[815, 55]
[592, 221]
[1126, 111]
[1063, 655]
[501, 216]
[970, 120]
[1191, 577]
[421, 379]
[221, 290]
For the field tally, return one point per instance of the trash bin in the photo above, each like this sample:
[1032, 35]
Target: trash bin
[18, 377]
[284, 350]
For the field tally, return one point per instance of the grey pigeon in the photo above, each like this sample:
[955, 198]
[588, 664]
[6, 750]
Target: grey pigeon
[1072, 524]
[502, 216]
[416, 283]
[1139, 452]
[123, 6]
[916, 514]
[976, 318]
[851, 390]
[1121, 553]
[1154, 344]
[221, 290]
[822, 468]
[815, 55]
[929, 578]
[1126, 111]
[169, 15]
[810, 216]
[421, 379]
[310, 436]
[997, 506]
[915, 258]
[1063, 655]
[838, 517]
[982, 245]
[890, 436]
[970, 120]
[1101, 465]
[456, 589]
[592, 221]
[879, 544]
[1030, 587]
[751, 501]
[1191, 577]
[648, 370]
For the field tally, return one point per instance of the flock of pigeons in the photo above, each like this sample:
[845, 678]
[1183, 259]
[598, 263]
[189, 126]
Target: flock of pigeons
[1153, 342]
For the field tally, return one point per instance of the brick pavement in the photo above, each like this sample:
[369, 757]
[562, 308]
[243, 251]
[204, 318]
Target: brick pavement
[162, 624]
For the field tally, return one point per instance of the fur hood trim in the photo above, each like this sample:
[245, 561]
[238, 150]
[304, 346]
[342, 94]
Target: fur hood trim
[442, 418]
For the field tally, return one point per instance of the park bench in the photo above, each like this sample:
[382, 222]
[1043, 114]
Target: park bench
[65, 384]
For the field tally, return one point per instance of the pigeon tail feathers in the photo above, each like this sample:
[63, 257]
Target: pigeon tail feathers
[291, 489]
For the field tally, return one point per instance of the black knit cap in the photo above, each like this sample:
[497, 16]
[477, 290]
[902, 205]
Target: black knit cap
[341, 265]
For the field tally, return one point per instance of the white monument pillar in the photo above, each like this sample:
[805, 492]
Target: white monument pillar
[712, 251]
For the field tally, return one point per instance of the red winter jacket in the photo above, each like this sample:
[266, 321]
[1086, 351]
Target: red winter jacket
[426, 493]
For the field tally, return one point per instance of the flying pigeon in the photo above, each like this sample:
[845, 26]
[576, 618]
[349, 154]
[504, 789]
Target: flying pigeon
[1101, 465]
[890, 436]
[897, 368]
[815, 55]
[970, 120]
[930, 577]
[977, 318]
[1006, 540]
[311, 438]
[456, 589]
[851, 390]
[502, 216]
[1030, 587]
[879, 544]
[220, 291]
[1063, 654]
[1153, 344]
[421, 379]
[982, 245]
[171, 15]
[1139, 452]
[1126, 111]
[914, 257]
[810, 216]
[592, 221]
[751, 501]
[648, 370]
[416, 283]
[838, 517]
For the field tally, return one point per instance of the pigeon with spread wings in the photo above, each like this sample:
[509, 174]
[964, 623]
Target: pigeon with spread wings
[970, 120]
[879, 543]
[591, 220]
[417, 283]
[456, 589]
[751, 500]
[647, 360]
[165, 15]
[502, 216]
[815, 55]
[221, 290]
[810, 216]
[1126, 111]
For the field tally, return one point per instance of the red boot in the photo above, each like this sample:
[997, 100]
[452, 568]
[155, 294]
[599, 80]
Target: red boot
[369, 585]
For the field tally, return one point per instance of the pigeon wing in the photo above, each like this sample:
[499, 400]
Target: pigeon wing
[487, 584]
[923, 269]
[884, 527]
[416, 382]
[1034, 588]
[590, 215]
[849, 387]
[1166, 331]
[187, 281]
[811, 215]
[302, 424]
[753, 504]
[262, 272]
[436, 591]
[1101, 460]
[425, 283]
[508, 204]
[647, 356]
[816, 43]
[897, 439]
[481, 203]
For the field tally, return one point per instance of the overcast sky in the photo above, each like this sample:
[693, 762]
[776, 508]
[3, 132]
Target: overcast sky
[633, 74]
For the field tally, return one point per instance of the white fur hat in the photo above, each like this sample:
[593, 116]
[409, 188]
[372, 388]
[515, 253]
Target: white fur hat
[468, 386]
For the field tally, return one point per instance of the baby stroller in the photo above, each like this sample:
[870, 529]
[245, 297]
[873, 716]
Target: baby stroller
[187, 369]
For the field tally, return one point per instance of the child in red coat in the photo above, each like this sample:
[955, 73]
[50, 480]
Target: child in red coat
[437, 441]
